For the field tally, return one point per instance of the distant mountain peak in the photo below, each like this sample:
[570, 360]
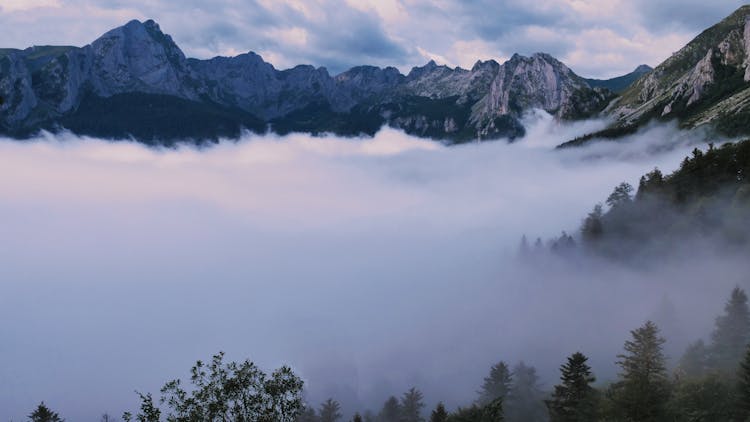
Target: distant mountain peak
[620, 83]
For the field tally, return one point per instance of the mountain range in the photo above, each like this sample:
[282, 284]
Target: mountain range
[134, 81]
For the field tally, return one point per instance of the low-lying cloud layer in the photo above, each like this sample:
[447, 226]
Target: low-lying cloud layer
[369, 265]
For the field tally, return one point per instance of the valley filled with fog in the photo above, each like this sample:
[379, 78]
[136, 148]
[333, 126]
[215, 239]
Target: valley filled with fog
[367, 265]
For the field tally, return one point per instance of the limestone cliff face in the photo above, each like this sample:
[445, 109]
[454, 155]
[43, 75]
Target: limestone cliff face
[44, 85]
[539, 82]
[15, 89]
[139, 57]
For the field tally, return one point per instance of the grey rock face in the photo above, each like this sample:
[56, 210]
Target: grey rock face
[363, 83]
[139, 57]
[58, 84]
[15, 88]
[245, 81]
[542, 82]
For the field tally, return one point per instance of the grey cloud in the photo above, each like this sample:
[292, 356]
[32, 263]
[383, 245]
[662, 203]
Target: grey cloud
[350, 37]
[687, 15]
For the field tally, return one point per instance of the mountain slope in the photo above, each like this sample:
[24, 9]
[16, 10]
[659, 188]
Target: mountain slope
[704, 82]
[137, 66]
[620, 83]
[706, 199]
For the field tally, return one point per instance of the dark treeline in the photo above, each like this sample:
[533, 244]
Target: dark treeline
[707, 197]
[710, 382]
[706, 201]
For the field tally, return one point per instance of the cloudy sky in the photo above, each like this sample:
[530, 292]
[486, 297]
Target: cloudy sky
[597, 38]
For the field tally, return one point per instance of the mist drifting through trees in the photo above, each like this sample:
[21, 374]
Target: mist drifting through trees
[369, 266]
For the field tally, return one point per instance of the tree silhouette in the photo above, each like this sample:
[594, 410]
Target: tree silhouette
[592, 228]
[574, 399]
[439, 414]
[308, 414]
[732, 332]
[411, 406]
[643, 390]
[330, 411]
[238, 392]
[391, 410]
[524, 402]
[44, 414]
[621, 195]
[694, 362]
[743, 387]
[496, 385]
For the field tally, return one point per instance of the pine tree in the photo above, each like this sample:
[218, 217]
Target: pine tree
[44, 414]
[411, 406]
[651, 184]
[732, 332]
[743, 387]
[620, 196]
[694, 362]
[307, 415]
[524, 402]
[592, 228]
[643, 390]
[330, 411]
[357, 417]
[496, 385]
[574, 400]
[439, 414]
[472, 413]
[391, 410]
[493, 412]
[709, 398]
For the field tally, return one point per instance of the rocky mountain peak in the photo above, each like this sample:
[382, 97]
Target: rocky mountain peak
[480, 65]
[139, 57]
[543, 82]
[430, 67]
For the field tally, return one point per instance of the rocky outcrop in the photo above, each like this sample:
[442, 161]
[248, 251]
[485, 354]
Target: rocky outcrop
[15, 89]
[139, 57]
[540, 82]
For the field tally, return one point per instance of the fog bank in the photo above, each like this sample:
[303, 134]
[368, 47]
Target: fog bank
[368, 265]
